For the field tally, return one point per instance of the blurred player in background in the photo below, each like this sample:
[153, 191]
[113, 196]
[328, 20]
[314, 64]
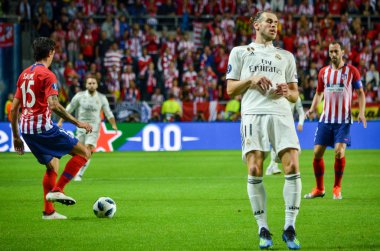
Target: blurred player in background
[88, 105]
[36, 94]
[8, 106]
[266, 77]
[336, 83]
[273, 165]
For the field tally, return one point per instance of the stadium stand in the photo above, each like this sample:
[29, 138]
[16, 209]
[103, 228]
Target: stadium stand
[181, 47]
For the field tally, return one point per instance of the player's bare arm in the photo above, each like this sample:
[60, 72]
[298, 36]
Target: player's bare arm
[361, 98]
[58, 109]
[17, 142]
[237, 87]
[113, 123]
[316, 100]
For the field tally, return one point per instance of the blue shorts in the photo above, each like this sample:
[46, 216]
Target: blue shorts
[53, 143]
[330, 134]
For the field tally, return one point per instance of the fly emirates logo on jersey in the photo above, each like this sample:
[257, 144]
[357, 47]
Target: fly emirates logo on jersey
[265, 66]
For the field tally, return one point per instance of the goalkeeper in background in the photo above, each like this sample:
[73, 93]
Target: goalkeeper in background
[88, 105]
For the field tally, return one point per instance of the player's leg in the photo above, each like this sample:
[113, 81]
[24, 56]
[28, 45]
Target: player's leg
[339, 165]
[90, 140]
[273, 165]
[257, 195]
[255, 144]
[80, 155]
[292, 195]
[48, 183]
[324, 137]
[83, 169]
[342, 139]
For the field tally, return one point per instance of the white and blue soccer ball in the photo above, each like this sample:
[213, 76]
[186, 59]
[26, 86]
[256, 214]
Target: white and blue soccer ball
[104, 207]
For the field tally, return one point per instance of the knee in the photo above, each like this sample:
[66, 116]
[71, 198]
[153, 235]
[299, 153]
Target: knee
[339, 153]
[291, 168]
[87, 153]
[255, 170]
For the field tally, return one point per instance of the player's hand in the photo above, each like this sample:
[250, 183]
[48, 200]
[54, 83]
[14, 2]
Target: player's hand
[299, 127]
[308, 114]
[262, 84]
[114, 127]
[18, 145]
[85, 126]
[362, 118]
[282, 90]
[59, 123]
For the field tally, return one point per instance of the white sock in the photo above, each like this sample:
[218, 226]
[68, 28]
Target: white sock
[292, 197]
[272, 158]
[83, 168]
[258, 199]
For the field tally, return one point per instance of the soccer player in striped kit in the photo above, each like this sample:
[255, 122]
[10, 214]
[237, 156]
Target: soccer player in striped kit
[336, 83]
[37, 96]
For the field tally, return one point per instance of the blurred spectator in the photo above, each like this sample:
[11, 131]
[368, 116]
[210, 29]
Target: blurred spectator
[108, 28]
[132, 94]
[277, 5]
[80, 67]
[171, 110]
[70, 76]
[7, 107]
[87, 46]
[113, 57]
[372, 76]
[157, 98]
[352, 8]
[151, 81]
[45, 7]
[24, 11]
[44, 27]
[232, 111]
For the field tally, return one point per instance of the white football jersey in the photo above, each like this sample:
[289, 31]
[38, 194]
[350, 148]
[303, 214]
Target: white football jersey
[88, 107]
[276, 64]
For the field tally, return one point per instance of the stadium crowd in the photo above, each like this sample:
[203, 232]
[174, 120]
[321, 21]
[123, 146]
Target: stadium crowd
[137, 54]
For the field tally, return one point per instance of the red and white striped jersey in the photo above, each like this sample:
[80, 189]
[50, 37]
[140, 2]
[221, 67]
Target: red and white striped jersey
[337, 86]
[35, 84]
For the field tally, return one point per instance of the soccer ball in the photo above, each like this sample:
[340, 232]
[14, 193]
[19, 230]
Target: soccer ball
[104, 207]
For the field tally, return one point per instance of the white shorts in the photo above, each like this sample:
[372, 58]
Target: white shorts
[260, 132]
[87, 138]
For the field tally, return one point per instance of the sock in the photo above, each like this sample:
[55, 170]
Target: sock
[257, 197]
[292, 197]
[71, 169]
[272, 158]
[339, 168]
[48, 183]
[83, 168]
[319, 171]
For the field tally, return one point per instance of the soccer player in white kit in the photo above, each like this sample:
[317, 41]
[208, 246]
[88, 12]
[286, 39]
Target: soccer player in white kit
[266, 78]
[88, 105]
[297, 106]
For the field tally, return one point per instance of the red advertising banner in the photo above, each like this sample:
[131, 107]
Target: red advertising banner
[6, 35]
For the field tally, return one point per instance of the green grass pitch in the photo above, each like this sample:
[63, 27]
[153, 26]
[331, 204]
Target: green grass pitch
[190, 200]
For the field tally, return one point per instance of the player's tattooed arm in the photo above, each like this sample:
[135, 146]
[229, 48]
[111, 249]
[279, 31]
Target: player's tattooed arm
[17, 142]
[58, 109]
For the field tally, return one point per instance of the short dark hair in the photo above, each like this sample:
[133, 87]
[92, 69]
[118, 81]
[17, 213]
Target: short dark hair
[42, 47]
[339, 43]
[258, 16]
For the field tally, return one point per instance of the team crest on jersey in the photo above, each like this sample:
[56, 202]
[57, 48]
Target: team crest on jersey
[55, 86]
[278, 56]
[229, 68]
[344, 76]
[251, 50]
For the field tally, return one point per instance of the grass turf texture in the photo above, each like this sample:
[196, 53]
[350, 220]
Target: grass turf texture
[191, 200]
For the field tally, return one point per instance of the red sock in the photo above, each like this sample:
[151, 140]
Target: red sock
[48, 183]
[319, 171]
[339, 168]
[71, 169]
